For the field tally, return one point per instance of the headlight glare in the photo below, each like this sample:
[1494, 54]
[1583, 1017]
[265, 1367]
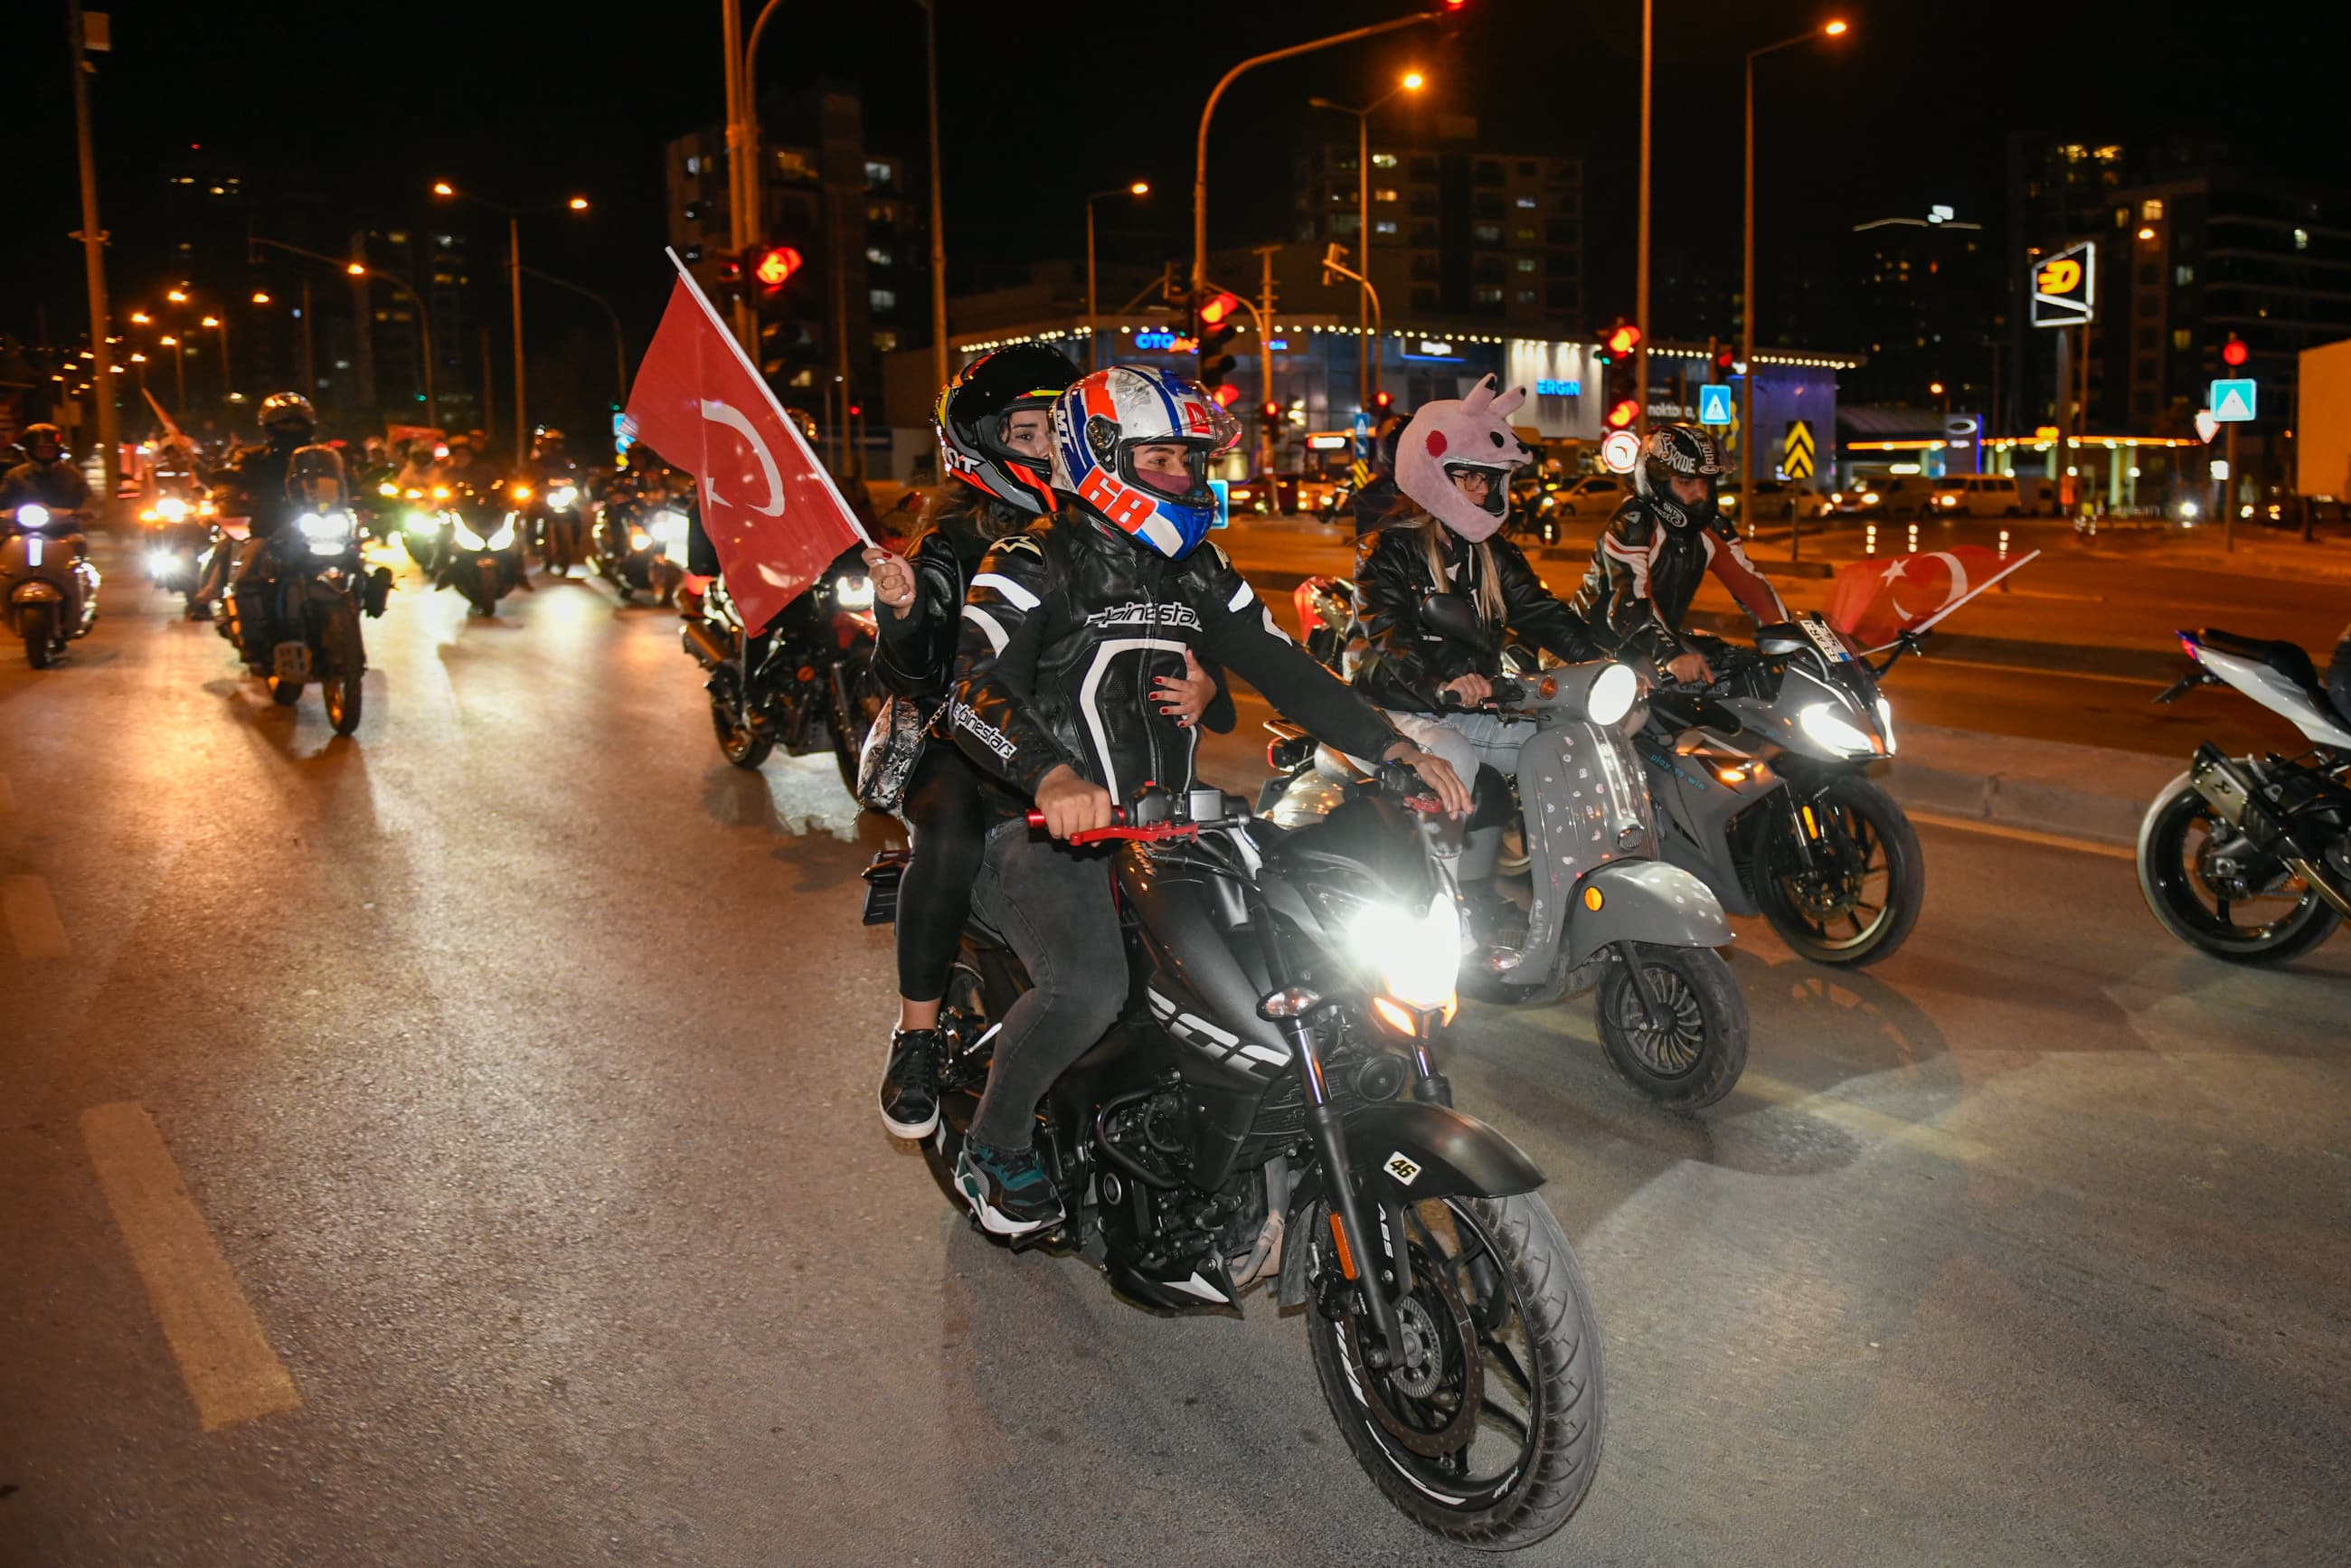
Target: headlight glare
[1828, 728]
[1420, 956]
[1612, 696]
[854, 592]
[466, 535]
[1886, 724]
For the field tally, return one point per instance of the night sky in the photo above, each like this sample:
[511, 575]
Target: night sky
[530, 102]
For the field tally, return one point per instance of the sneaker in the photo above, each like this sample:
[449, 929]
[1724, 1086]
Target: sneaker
[1008, 1189]
[910, 1083]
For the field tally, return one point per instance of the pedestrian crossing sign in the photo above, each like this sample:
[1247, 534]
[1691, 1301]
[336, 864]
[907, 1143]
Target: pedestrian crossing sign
[2234, 399]
[1714, 404]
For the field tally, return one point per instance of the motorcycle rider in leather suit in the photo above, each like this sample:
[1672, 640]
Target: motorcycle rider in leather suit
[1066, 628]
[994, 423]
[1453, 470]
[1667, 536]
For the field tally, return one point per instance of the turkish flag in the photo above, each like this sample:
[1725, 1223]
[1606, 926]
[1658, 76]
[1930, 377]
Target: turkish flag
[1875, 601]
[768, 506]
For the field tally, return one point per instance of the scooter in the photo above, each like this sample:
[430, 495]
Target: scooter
[177, 532]
[49, 588]
[316, 588]
[1605, 914]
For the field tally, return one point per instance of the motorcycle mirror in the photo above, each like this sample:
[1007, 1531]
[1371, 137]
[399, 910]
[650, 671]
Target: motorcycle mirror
[1452, 615]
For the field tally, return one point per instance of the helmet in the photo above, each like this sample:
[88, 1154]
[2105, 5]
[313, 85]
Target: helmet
[971, 414]
[1458, 435]
[1675, 451]
[546, 439]
[288, 409]
[1097, 425]
[36, 435]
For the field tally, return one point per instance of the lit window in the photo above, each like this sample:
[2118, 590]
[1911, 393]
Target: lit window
[882, 299]
[1384, 193]
[879, 176]
[2183, 275]
[2122, 217]
[1487, 296]
[1525, 202]
[1384, 160]
[877, 255]
[1526, 296]
[2302, 239]
[885, 342]
[1384, 227]
[2151, 210]
[694, 163]
[397, 237]
[2182, 340]
[1526, 264]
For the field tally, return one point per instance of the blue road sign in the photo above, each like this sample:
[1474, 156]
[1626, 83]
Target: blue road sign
[1714, 404]
[2234, 400]
[1224, 503]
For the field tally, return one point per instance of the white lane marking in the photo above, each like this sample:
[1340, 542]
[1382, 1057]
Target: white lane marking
[2026, 835]
[224, 1358]
[33, 923]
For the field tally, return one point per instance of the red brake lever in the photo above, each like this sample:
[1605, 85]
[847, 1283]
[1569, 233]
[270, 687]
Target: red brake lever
[1144, 834]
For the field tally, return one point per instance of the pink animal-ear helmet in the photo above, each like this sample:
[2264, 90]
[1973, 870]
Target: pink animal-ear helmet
[1471, 432]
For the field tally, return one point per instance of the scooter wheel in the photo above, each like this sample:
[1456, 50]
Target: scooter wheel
[1692, 1052]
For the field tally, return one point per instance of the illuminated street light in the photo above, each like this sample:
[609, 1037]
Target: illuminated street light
[442, 188]
[177, 297]
[1367, 358]
[1140, 188]
[141, 318]
[170, 342]
[1835, 29]
[2147, 234]
[355, 269]
[578, 204]
[209, 321]
[260, 297]
[1414, 82]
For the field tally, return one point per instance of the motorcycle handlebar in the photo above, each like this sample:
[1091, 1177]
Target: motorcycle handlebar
[1122, 829]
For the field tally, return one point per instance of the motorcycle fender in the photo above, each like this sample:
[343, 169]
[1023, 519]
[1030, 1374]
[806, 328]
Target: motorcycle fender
[1407, 1151]
[36, 592]
[1642, 901]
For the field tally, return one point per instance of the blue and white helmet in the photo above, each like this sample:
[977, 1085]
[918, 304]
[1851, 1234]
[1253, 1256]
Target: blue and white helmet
[1100, 421]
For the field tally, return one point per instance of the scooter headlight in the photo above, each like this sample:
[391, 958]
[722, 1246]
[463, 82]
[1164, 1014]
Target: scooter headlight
[158, 562]
[1831, 730]
[1418, 957]
[1613, 691]
[32, 515]
[318, 525]
[171, 509]
[854, 592]
[560, 499]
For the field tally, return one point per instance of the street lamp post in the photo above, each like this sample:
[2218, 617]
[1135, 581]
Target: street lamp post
[179, 370]
[1641, 263]
[1747, 438]
[1365, 359]
[364, 269]
[93, 251]
[1208, 111]
[1139, 188]
[620, 343]
[228, 381]
[514, 273]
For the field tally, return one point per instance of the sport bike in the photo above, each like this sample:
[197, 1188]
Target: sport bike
[1266, 1108]
[2249, 858]
[483, 557]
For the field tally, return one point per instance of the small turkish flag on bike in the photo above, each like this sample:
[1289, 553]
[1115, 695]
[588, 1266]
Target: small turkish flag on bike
[770, 508]
[1875, 601]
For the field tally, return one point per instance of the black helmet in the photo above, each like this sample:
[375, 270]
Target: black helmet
[286, 409]
[36, 434]
[1676, 451]
[971, 414]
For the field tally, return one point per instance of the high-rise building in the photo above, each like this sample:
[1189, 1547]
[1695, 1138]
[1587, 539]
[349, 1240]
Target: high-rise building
[1927, 303]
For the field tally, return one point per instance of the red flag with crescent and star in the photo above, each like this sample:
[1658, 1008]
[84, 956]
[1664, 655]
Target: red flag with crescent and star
[770, 508]
[1875, 601]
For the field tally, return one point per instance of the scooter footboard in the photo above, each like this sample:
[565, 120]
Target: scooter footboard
[1642, 901]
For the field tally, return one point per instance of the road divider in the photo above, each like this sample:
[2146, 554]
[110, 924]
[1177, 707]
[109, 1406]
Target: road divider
[224, 1358]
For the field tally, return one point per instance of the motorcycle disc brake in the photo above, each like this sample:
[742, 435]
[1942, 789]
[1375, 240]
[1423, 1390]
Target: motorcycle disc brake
[1426, 1318]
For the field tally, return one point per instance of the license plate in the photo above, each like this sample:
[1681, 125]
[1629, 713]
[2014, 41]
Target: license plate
[1825, 640]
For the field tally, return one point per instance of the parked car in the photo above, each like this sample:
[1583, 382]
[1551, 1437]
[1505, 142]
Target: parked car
[1592, 495]
[1783, 499]
[1286, 495]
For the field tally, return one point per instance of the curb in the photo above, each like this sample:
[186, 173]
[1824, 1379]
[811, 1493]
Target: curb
[2047, 787]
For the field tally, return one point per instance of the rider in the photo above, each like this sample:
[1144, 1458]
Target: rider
[44, 478]
[255, 481]
[1066, 629]
[1662, 539]
[994, 422]
[1453, 470]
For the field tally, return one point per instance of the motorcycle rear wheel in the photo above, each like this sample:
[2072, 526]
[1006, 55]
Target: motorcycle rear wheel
[2172, 842]
[1489, 1434]
[39, 623]
[1862, 825]
[1693, 1055]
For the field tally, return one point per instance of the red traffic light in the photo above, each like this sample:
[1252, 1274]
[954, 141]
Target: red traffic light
[1623, 339]
[1623, 412]
[1725, 358]
[2233, 352]
[1269, 410]
[776, 265]
[1217, 307]
[1226, 396]
[1382, 400]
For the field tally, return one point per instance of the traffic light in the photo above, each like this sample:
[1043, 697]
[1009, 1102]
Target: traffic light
[1623, 412]
[2233, 352]
[1215, 320]
[1270, 412]
[1613, 354]
[1622, 340]
[1382, 400]
[774, 267]
[726, 276]
[1726, 359]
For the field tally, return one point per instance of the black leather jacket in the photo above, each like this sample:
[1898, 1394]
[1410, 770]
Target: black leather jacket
[1646, 569]
[57, 485]
[1065, 627]
[916, 653]
[255, 479]
[1407, 662]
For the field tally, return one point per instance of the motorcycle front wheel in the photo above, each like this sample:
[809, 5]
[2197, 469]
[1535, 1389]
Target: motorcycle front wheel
[739, 742]
[1857, 899]
[1691, 1050]
[38, 622]
[2178, 843]
[345, 663]
[1487, 1431]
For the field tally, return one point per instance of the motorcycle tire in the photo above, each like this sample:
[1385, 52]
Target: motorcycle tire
[284, 694]
[1886, 833]
[2169, 883]
[1537, 1362]
[346, 666]
[39, 625]
[744, 746]
[1696, 1058]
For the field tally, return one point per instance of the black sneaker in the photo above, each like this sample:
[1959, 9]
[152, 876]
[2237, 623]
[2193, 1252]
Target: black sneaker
[910, 1083]
[1008, 1189]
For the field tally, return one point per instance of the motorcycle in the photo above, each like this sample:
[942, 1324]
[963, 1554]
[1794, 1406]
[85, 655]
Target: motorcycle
[484, 561]
[558, 528]
[2249, 858]
[306, 604]
[1605, 914]
[805, 681]
[1266, 1108]
[177, 531]
[1760, 787]
[639, 548]
[422, 515]
[1326, 622]
[49, 588]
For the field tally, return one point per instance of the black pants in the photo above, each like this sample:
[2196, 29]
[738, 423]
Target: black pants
[1053, 906]
[942, 806]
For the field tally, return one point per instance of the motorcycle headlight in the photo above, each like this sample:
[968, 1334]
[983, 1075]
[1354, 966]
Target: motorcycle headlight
[853, 593]
[561, 496]
[1886, 724]
[640, 539]
[668, 527]
[505, 535]
[387, 488]
[324, 525]
[1830, 729]
[1418, 957]
[418, 523]
[32, 516]
[158, 562]
[171, 509]
[466, 538]
[1612, 696]
[2187, 510]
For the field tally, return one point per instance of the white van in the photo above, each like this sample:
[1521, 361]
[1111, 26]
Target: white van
[1977, 496]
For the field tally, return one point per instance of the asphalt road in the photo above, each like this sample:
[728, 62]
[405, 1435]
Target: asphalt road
[517, 1057]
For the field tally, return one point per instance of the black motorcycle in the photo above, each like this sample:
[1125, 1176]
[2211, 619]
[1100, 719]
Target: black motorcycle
[1268, 1108]
[557, 516]
[298, 618]
[639, 546]
[483, 556]
[804, 682]
[175, 535]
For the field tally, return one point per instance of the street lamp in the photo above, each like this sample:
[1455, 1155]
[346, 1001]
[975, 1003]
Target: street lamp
[228, 384]
[1366, 360]
[514, 271]
[1140, 188]
[362, 269]
[178, 371]
[1747, 442]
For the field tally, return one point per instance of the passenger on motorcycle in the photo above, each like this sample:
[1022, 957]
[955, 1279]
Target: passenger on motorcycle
[1069, 632]
[1667, 536]
[1453, 470]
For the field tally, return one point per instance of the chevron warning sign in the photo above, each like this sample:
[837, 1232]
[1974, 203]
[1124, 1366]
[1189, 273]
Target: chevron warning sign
[1796, 452]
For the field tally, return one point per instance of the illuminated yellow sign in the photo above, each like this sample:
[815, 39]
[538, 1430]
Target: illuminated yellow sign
[2065, 286]
[2061, 276]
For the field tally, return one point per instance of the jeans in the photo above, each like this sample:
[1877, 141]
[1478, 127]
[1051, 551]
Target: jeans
[1053, 905]
[1465, 740]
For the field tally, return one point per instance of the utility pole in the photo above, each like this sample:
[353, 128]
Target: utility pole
[742, 179]
[514, 268]
[1265, 346]
[1641, 265]
[80, 28]
[938, 219]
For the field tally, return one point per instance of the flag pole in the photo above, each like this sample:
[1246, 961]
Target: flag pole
[782, 413]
